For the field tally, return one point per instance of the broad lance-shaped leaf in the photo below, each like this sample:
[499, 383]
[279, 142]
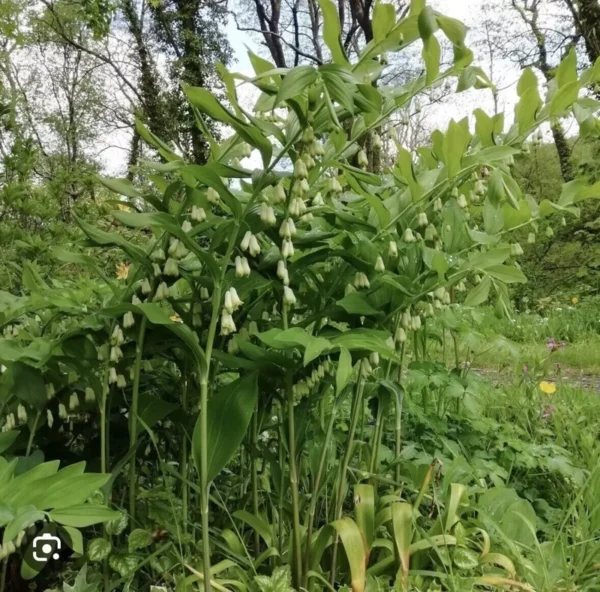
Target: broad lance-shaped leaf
[364, 511]
[101, 237]
[402, 526]
[332, 33]
[229, 414]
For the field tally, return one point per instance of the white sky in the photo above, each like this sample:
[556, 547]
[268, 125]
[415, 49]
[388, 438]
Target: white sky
[437, 116]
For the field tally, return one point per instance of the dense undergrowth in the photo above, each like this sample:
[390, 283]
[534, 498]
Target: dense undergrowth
[275, 389]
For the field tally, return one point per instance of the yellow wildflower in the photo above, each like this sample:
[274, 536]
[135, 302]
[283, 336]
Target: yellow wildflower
[548, 388]
[122, 271]
[176, 318]
[575, 300]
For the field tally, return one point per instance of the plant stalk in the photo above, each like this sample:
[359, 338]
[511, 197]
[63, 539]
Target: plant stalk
[294, 484]
[315, 494]
[32, 433]
[339, 500]
[135, 396]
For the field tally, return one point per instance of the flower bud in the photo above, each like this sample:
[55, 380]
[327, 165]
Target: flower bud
[242, 267]
[146, 287]
[549, 232]
[162, 292]
[289, 297]
[405, 320]
[112, 376]
[462, 201]
[516, 250]
[438, 205]
[393, 249]
[198, 214]
[376, 140]
[400, 335]
[50, 391]
[245, 244]
[333, 185]
[379, 264]
[49, 418]
[227, 324]
[128, 320]
[186, 226]
[90, 397]
[267, 214]
[430, 233]
[158, 255]
[73, 401]
[212, 196]
[300, 171]
[422, 220]
[374, 359]
[121, 382]
[22, 413]
[156, 270]
[408, 236]
[254, 247]
[287, 248]
[279, 193]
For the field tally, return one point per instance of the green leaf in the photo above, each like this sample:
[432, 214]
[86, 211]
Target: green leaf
[123, 564]
[480, 293]
[73, 538]
[530, 101]
[70, 490]
[295, 82]
[344, 370]
[354, 547]
[98, 550]
[117, 525]
[139, 539]
[431, 56]
[257, 523]
[315, 348]
[488, 258]
[83, 515]
[332, 34]
[206, 102]
[229, 414]
[355, 303]
[101, 237]
[340, 84]
[155, 141]
[7, 439]
[465, 558]
[455, 143]
[29, 386]
[455, 30]
[402, 526]
[364, 511]
[507, 274]
[384, 19]
[564, 98]
[120, 186]
[566, 73]
[25, 516]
